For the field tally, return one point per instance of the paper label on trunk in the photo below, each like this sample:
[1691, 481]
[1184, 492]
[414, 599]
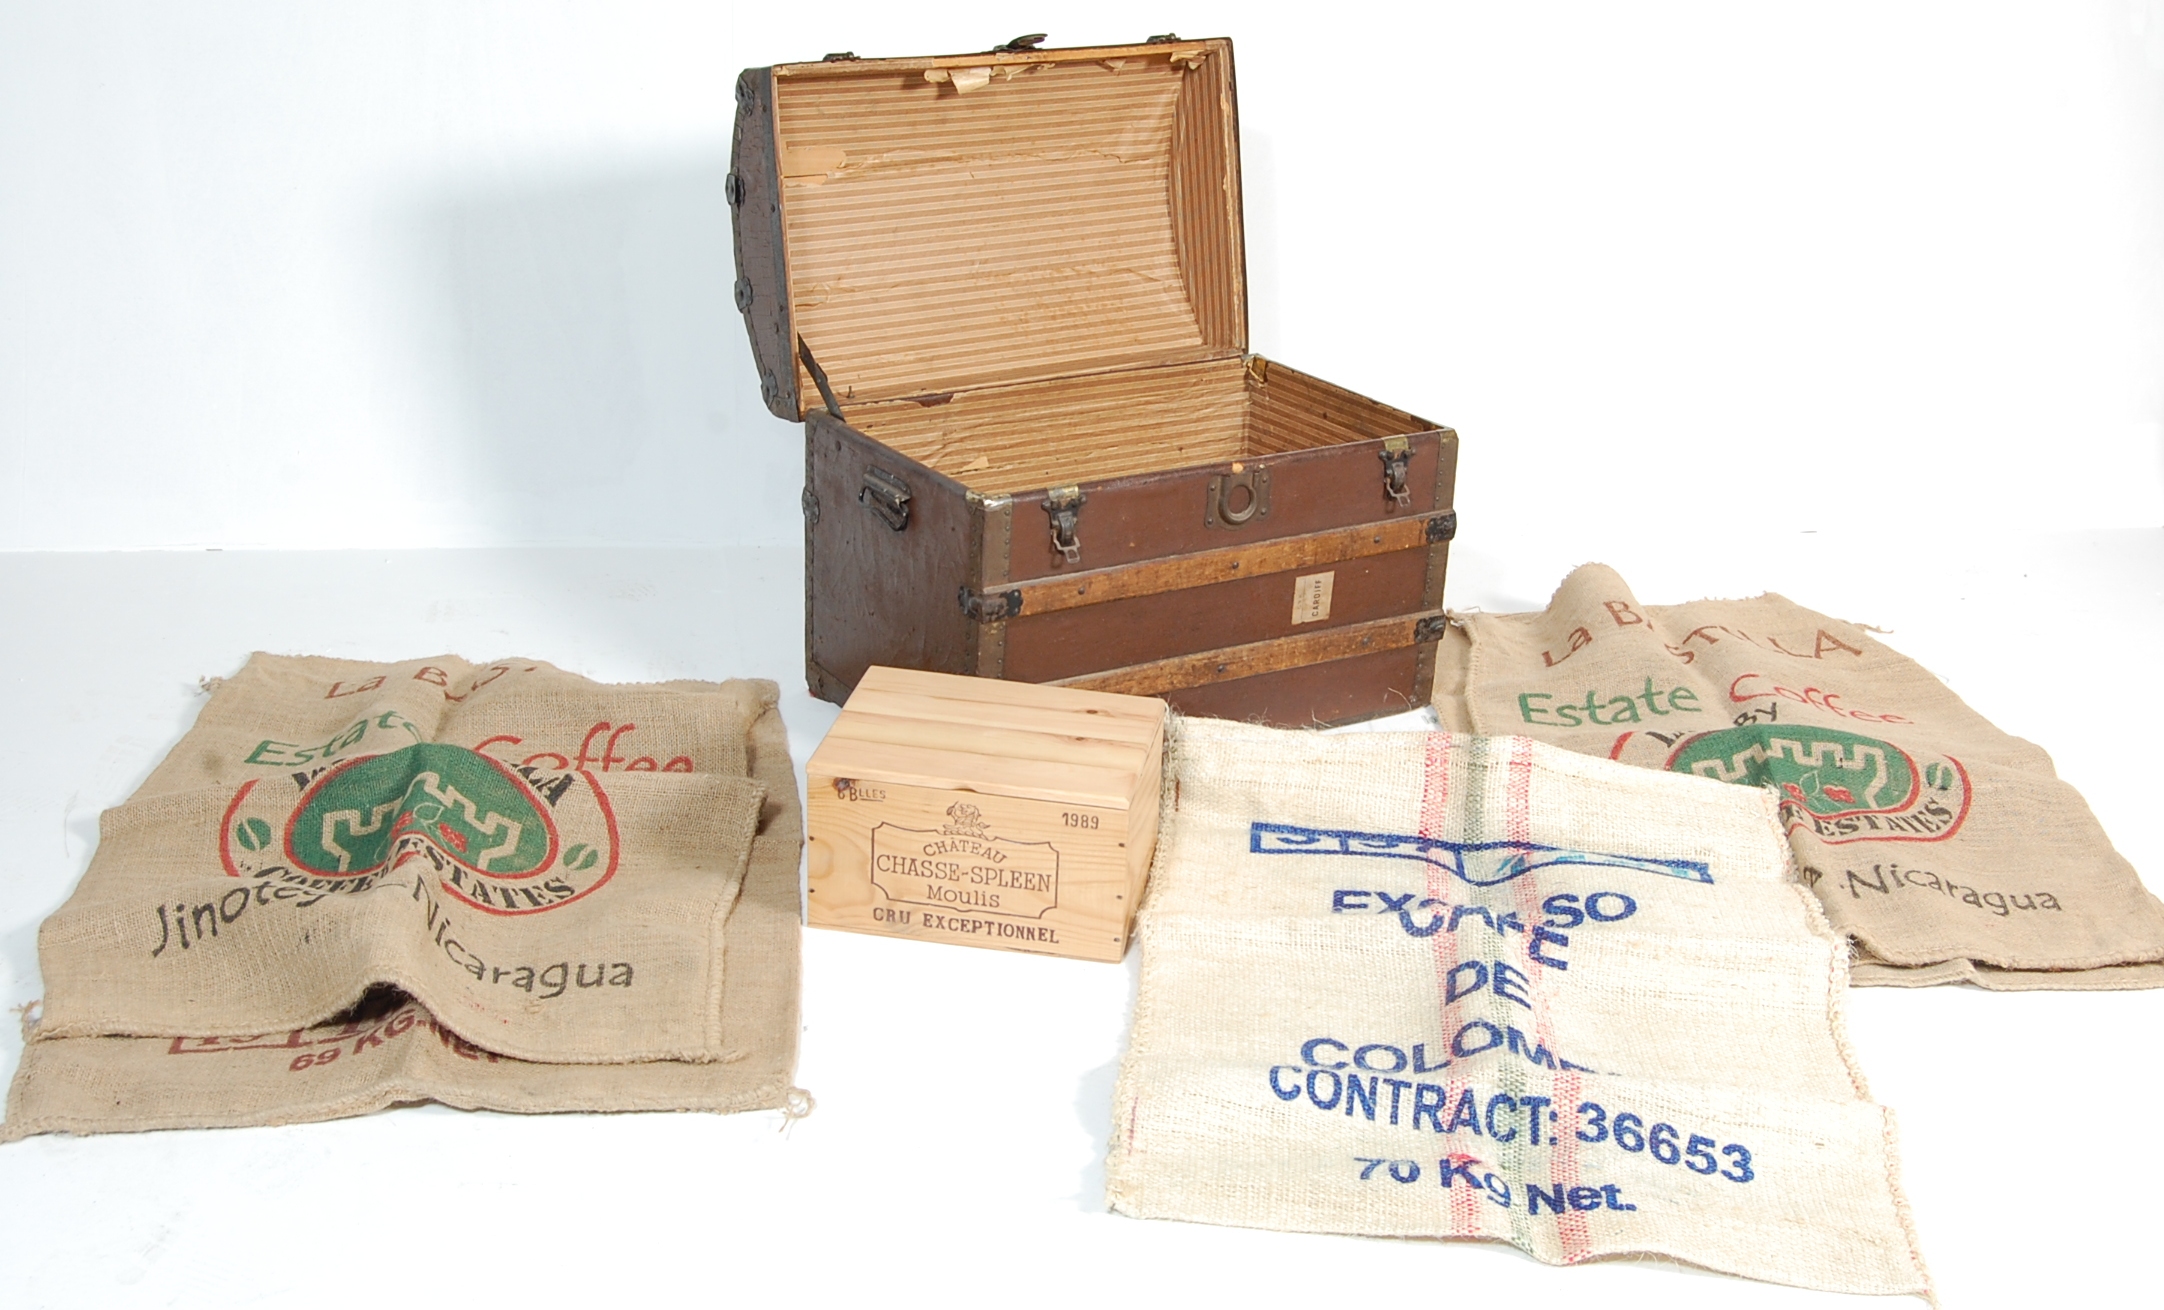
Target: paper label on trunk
[1311, 597]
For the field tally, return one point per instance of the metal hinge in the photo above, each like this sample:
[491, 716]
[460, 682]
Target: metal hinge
[887, 496]
[1029, 42]
[1443, 526]
[1431, 628]
[990, 606]
[818, 375]
[840, 57]
[1064, 506]
[1397, 456]
[1163, 38]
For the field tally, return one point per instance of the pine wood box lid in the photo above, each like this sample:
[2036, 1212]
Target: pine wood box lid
[997, 738]
[957, 221]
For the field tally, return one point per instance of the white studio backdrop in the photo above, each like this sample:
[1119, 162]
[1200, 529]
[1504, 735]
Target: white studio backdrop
[445, 273]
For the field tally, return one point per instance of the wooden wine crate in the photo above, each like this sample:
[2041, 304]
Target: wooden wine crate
[984, 812]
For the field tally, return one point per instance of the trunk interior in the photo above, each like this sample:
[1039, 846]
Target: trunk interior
[1031, 435]
[961, 221]
[1025, 269]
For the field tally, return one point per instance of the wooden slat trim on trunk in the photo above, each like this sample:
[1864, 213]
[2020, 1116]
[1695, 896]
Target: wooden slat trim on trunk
[1260, 657]
[1048, 595]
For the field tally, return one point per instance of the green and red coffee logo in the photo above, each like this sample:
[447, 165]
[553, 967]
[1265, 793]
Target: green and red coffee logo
[505, 839]
[1844, 786]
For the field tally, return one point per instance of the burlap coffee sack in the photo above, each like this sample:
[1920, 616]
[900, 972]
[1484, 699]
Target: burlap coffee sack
[399, 1053]
[1448, 986]
[1949, 851]
[282, 714]
[466, 837]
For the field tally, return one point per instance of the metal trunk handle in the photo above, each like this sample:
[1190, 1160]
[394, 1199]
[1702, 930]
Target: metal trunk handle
[887, 496]
[1255, 481]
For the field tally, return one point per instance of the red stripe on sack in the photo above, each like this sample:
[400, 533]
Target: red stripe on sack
[1518, 809]
[1570, 1225]
[1434, 806]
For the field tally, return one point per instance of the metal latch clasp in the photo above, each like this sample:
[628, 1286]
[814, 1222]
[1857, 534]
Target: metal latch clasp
[1397, 456]
[1064, 506]
[887, 496]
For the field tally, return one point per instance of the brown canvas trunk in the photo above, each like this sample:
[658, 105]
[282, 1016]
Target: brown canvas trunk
[1006, 294]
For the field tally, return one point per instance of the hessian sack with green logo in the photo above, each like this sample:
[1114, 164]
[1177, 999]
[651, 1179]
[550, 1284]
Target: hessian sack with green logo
[499, 886]
[1947, 850]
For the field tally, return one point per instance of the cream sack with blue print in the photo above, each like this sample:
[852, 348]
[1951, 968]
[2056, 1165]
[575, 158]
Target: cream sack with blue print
[1449, 986]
